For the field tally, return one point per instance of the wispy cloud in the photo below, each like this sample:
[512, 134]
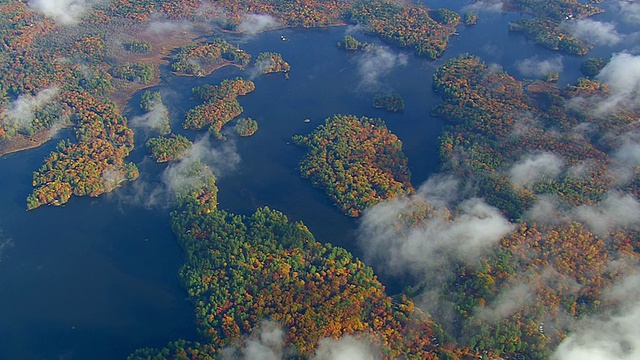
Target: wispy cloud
[20, 113]
[65, 12]
[600, 33]
[535, 67]
[533, 168]
[611, 336]
[622, 76]
[494, 6]
[374, 65]
[615, 211]
[255, 23]
[347, 347]
[458, 235]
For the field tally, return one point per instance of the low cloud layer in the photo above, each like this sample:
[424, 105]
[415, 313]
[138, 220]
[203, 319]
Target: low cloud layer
[622, 76]
[629, 11]
[600, 33]
[435, 242]
[374, 65]
[255, 23]
[506, 304]
[157, 119]
[495, 6]
[616, 210]
[20, 113]
[267, 344]
[65, 12]
[615, 336]
[219, 158]
[533, 168]
[345, 348]
[167, 27]
[535, 67]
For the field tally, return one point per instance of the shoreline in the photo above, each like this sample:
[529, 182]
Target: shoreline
[21, 142]
[160, 55]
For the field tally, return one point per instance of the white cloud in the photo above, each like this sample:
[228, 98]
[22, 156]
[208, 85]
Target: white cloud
[613, 337]
[388, 241]
[622, 76]
[255, 23]
[600, 33]
[535, 67]
[267, 344]
[494, 6]
[347, 347]
[167, 27]
[373, 65]
[20, 113]
[220, 160]
[157, 119]
[506, 304]
[629, 11]
[616, 210]
[533, 168]
[66, 12]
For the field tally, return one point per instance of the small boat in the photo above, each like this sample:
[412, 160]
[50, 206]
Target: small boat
[307, 120]
[283, 38]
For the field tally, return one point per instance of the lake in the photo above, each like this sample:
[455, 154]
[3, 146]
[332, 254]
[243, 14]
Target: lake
[97, 278]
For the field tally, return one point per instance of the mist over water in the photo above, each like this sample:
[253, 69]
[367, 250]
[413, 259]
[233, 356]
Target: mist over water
[98, 277]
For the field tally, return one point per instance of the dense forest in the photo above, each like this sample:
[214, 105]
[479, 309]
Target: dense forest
[357, 161]
[391, 102]
[517, 149]
[552, 22]
[546, 163]
[241, 270]
[172, 148]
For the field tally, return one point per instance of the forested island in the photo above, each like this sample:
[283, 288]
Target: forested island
[544, 163]
[547, 28]
[350, 43]
[220, 105]
[171, 148]
[201, 59]
[246, 127]
[357, 161]
[271, 62]
[547, 33]
[391, 102]
[242, 270]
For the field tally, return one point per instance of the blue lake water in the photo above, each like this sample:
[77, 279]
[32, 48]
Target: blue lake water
[97, 278]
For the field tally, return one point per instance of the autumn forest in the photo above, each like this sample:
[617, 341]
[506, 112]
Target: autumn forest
[526, 235]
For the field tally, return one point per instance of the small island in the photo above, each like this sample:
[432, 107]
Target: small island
[271, 62]
[546, 32]
[164, 149]
[391, 102]
[246, 127]
[409, 25]
[357, 161]
[470, 18]
[591, 67]
[350, 43]
[202, 59]
[220, 105]
[151, 103]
